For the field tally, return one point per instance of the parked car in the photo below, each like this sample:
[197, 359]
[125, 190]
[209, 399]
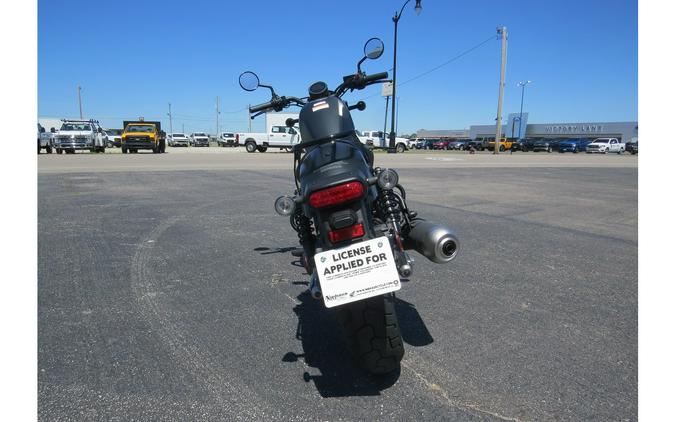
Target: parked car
[114, 138]
[44, 139]
[477, 144]
[542, 145]
[632, 147]
[282, 137]
[504, 144]
[428, 143]
[380, 139]
[573, 145]
[199, 139]
[412, 143]
[441, 144]
[228, 139]
[80, 135]
[605, 145]
[459, 144]
[178, 140]
[555, 143]
[516, 145]
[365, 140]
[527, 144]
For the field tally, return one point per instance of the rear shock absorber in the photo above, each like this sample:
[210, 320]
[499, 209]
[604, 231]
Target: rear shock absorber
[303, 226]
[390, 208]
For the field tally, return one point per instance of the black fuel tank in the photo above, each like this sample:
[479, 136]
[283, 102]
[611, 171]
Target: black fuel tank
[323, 118]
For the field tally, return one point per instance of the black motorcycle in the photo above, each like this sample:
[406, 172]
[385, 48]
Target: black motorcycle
[352, 218]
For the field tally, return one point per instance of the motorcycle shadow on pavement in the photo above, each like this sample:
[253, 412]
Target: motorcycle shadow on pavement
[332, 369]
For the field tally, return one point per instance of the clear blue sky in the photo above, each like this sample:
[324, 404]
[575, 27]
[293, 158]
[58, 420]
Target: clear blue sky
[132, 58]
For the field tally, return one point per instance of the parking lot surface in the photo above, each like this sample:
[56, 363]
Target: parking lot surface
[167, 291]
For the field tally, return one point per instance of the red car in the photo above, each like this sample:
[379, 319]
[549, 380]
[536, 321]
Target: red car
[441, 144]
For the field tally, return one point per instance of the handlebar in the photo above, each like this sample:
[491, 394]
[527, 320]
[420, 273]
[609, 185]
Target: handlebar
[277, 104]
[351, 82]
[375, 77]
[261, 107]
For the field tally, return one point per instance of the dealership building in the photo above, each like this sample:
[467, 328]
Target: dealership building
[625, 131]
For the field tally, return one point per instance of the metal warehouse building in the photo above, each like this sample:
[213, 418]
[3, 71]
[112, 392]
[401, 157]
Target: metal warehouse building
[625, 131]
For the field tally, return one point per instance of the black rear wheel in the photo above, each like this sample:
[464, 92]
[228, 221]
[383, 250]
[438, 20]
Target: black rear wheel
[371, 331]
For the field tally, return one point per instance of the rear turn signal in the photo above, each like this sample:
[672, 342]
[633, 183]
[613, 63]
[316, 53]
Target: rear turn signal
[336, 195]
[347, 233]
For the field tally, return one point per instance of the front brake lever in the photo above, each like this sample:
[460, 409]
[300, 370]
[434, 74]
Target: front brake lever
[258, 114]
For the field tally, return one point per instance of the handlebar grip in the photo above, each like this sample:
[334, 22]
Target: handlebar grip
[261, 107]
[375, 77]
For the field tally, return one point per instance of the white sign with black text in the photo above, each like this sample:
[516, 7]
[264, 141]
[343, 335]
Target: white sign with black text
[357, 272]
[387, 89]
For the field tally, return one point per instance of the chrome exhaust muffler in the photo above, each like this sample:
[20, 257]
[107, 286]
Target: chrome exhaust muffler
[438, 243]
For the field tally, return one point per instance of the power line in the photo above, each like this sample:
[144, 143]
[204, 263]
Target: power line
[457, 57]
[447, 62]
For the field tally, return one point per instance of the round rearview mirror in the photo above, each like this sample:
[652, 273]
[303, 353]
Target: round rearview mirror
[248, 81]
[374, 48]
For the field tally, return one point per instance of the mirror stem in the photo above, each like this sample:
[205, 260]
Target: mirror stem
[274, 94]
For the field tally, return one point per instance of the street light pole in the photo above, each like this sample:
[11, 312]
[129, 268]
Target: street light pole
[79, 99]
[522, 84]
[170, 120]
[392, 132]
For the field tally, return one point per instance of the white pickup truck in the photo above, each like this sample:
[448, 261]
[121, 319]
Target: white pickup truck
[377, 140]
[605, 145]
[44, 139]
[80, 135]
[278, 135]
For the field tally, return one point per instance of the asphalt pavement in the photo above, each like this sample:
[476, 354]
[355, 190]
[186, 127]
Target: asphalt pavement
[167, 291]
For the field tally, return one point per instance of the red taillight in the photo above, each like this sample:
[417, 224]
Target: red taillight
[336, 195]
[347, 233]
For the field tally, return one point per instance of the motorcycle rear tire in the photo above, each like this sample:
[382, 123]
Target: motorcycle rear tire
[372, 335]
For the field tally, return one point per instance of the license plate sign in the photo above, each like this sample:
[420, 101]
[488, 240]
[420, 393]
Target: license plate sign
[357, 272]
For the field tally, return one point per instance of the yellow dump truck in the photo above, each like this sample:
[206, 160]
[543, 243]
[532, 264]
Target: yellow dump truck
[141, 134]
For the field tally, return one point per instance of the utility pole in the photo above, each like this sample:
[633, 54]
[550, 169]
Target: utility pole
[217, 113]
[183, 128]
[170, 120]
[249, 118]
[501, 31]
[79, 99]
